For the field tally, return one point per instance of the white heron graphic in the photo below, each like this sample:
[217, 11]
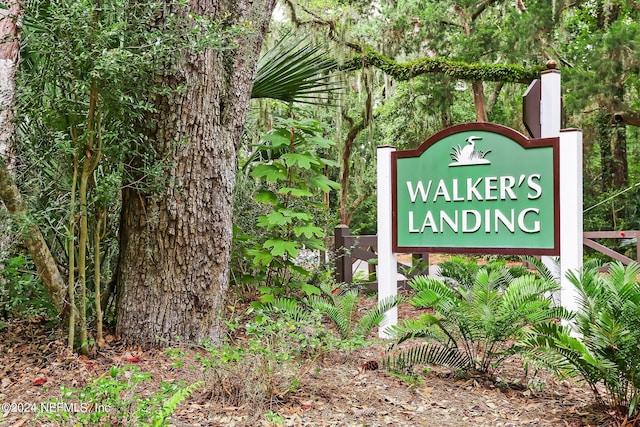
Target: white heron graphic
[468, 155]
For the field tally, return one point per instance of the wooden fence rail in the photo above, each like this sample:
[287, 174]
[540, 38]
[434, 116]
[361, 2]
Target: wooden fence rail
[588, 236]
[350, 248]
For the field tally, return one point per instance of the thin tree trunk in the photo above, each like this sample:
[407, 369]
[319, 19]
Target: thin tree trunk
[346, 167]
[71, 248]
[480, 102]
[620, 164]
[9, 54]
[619, 146]
[9, 51]
[613, 152]
[101, 214]
[173, 271]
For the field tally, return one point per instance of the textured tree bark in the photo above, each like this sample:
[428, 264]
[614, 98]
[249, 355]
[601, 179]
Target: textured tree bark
[9, 51]
[480, 102]
[173, 271]
[625, 115]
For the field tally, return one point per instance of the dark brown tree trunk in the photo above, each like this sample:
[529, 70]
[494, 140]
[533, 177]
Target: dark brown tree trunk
[620, 164]
[606, 153]
[173, 272]
[619, 145]
[480, 102]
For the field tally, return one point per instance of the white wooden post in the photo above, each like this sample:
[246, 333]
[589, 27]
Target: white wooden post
[550, 104]
[550, 122]
[387, 262]
[570, 184]
[571, 226]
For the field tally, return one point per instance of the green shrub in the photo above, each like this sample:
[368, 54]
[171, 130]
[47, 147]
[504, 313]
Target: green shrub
[113, 399]
[21, 292]
[341, 306]
[602, 344]
[472, 328]
[459, 270]
[288, 171]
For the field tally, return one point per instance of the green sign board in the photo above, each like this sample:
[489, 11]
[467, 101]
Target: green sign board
[477, 188]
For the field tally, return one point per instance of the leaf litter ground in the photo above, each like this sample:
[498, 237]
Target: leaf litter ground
[339, 389]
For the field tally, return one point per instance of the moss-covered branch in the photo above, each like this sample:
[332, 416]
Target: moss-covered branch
[409, 70]
[457, 70]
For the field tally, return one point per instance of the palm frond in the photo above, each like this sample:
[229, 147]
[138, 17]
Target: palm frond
[295, 70]
[432, 354]
[288, 307]
[422, 327]
[431, 291]
[550, 273]
[334, 314]
[556, 349]
[375, 316]
[526, 291]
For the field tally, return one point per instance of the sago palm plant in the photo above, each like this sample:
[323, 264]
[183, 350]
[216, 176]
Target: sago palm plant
[602, 345]
[341, 308]
[473, 328]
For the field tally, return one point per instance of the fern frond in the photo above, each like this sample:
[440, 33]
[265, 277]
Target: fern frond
[172, 403]
[424, 326]
[347, 302]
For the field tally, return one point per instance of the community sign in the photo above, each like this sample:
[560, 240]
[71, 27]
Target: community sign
[477, 188]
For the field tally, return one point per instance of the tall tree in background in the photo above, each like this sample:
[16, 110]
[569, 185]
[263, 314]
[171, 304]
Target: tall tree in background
[173, 270]
[399, 105]
[600, 49]
[598, 45]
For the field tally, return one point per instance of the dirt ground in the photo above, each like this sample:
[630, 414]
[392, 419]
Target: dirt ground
[343, 388]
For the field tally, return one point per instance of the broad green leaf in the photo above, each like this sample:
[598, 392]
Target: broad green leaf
[267, 298]
[305, 161]
[264, 289]
[324, 183]
[276, 140]
[275, 218]
[308, 231]
[310, 289]
[271, 173]
[303, 272]
[321, 142]
[260, 257]
[328, 162]
[314, 244]
[302, 216]
[266, 196]
[280, 247]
